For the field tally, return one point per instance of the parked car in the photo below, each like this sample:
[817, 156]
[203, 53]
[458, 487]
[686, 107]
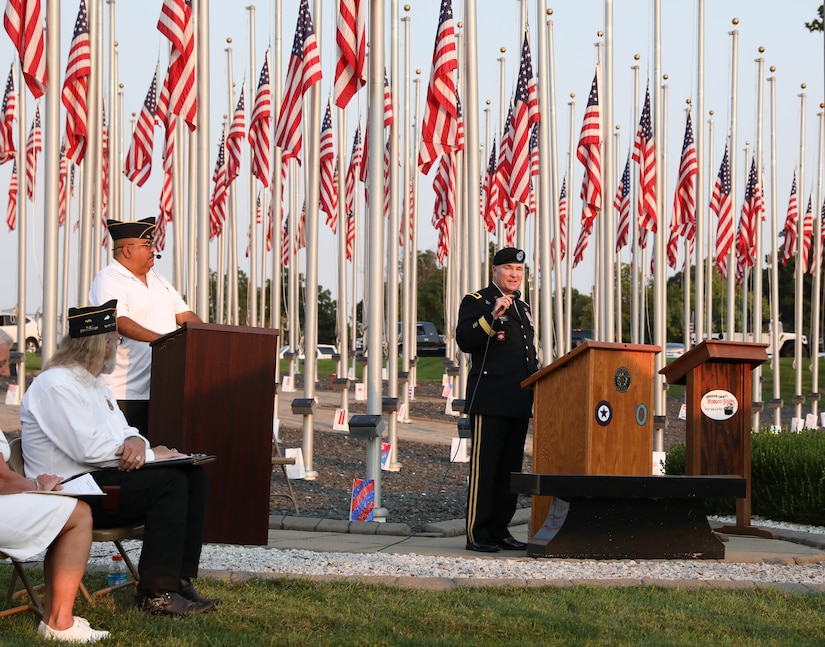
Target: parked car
[8, 323]
[674, 349]
[580, 335]
[428, 340]
[322, 351]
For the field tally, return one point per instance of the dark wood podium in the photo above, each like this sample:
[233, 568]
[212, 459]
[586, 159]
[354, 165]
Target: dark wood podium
[717, 379]
[212, 391]
[593, 414]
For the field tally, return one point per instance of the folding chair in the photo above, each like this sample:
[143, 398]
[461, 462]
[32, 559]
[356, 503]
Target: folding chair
[279, 459]
[36, 605]
[115, 535]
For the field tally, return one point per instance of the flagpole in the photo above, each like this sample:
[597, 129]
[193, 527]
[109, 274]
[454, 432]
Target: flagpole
[392, 249]
[799, 276]
[686, 303]
[252, 282]
[414, 215]
[219, 270]
[179, 227]
[120, 178]
[699, 213]
[114, 123]
[710, 255]
[67, 234]
[375, 237]
[22, 259]
[612, 251]
[502, 112]
[813, 343]
[608, 241]
[731, 265]
[758, 405]
[568, 310]
[132, 121]
[776, 402]
[408, 316]
[637, 264]
[51, 143]
[745, 267]
[225, 315]
[659, 278]
[548, 212]
[471, 162]
[276, 286]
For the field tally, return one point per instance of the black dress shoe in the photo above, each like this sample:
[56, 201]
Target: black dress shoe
[482, 547]
[187, 590]
[169, 603]
[511, 543]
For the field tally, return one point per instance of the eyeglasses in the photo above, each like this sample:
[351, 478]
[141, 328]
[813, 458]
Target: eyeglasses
[146, 245]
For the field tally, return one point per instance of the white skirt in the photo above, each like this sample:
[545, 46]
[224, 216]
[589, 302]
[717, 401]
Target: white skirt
[30, 522]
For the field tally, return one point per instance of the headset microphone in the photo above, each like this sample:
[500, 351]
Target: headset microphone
[157, 256]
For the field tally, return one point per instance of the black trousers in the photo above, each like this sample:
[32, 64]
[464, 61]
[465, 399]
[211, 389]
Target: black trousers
[136, 413]
[497, 450]
[171, 503]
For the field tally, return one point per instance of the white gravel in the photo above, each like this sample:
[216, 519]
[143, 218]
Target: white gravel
[269, 561]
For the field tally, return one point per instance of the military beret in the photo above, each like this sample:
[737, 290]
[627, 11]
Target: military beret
[93, 320]
[141, 229]
[508, 255]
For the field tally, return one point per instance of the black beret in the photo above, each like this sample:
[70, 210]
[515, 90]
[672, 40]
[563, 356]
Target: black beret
[141, 229]
[93, 320]
[508, 255]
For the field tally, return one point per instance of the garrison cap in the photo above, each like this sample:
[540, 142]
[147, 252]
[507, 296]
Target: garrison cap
[141, 229]
[508, 255]
[93, 320]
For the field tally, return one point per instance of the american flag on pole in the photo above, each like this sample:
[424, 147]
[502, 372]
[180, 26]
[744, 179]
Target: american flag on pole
[444, 184]
[9, 110]
[304, 70]
[683, 222]
[644, 155]
[351, 42]
[807, 232]
[23, 21]
[439, 132]
[138, 164]
[621, 203]
[563, 218]
[328, 193]
[525, 114]
[75, 87]
[176, 24]
[259, 124]
[535, 168]
[217, 205]
[589, 154]
[63, 189]
[352, 171]
[746, 236]
[789, 246]
[505, 207]
[350, 234]
[489, 190]
[166, 193]
[11, 209]
[722, 205]
[389, 118]
[104, 180]
[34, 144]
[235, 138]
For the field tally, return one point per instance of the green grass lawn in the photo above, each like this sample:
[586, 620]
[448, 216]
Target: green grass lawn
[306, 612]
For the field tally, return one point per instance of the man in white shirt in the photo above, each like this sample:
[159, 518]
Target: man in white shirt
[148, 307]
[72, 424]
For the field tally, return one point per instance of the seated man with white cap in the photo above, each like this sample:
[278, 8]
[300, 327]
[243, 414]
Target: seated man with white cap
[71, 425]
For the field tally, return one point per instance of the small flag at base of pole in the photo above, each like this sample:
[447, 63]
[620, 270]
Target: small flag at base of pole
[385, 456]
[340, 422]
[362, 505]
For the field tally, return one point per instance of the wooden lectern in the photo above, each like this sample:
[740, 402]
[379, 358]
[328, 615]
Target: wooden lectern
[212, 391]
[717, 379]
[593, 414]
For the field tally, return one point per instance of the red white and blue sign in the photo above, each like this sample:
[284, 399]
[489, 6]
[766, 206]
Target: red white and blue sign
[362, 505]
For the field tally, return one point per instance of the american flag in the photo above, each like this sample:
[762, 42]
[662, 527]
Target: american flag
[62, 187]
[9, 110]
[34, 144]
[563, 218]
[644, 155]
[138, 164]
[11, 210]
[817, 259]
[75, 87]
[23, 21]
[621, 203]
[350, 234]
[789, 246]
[350, 39]
[352, 171]
[444, 183]
[439, 132]
[535, 167]
[235, 138]
[387, 179]
[304, 70]
[589, 154]
[525, 114]
[300, 234]
[259, 125]
[166, 193]
[217, 205]
[505, 206]
[489, 190]
[328, 193]
[285, 250]
[388, 114]
[104, 181]
[746, 236]
[176, 24]
[807, 232]
[722, 205]
[459, 129]
[684, 201]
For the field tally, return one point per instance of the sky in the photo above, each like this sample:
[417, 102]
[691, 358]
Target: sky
[796, 54]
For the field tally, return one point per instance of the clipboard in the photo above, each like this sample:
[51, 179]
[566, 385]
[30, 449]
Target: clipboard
[191, 459]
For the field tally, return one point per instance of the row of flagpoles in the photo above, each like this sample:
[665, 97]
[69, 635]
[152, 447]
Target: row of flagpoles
[515, 186]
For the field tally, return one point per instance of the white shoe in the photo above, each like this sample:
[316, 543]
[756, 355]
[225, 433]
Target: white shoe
[79, 632]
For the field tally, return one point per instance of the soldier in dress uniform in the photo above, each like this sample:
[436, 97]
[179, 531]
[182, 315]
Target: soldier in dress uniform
[495, 327]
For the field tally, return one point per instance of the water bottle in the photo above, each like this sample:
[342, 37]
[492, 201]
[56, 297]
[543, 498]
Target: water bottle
[117, 571]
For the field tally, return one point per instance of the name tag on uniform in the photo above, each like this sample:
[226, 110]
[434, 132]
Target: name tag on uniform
[500, 335]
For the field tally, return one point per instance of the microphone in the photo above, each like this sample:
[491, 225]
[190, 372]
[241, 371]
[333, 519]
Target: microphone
[158, 256]
[517, 294]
